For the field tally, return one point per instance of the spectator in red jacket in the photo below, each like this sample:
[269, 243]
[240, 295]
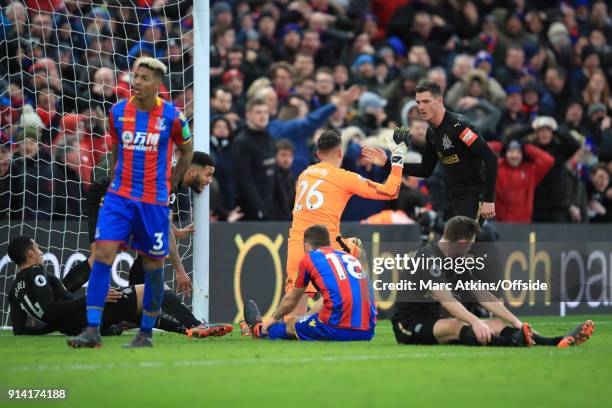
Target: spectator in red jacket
[520, 170]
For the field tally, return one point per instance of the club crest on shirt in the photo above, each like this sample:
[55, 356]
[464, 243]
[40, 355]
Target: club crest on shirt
[160, 124]
[446, 143]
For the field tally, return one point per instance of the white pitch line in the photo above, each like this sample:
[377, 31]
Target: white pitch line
[267, 361]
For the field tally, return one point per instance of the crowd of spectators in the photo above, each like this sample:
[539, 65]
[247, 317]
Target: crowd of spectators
[533, 78]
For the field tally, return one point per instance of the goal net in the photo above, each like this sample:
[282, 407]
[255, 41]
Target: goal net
[63, 64]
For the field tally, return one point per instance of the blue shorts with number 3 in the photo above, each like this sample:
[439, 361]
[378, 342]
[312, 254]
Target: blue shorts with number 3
[143, 227]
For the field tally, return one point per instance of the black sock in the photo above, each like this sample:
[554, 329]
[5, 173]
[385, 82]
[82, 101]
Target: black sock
[136, 276]
[172, 305]
[508, 331]
[169, 325]
[77, 276]
[546, 341]
[468, 337]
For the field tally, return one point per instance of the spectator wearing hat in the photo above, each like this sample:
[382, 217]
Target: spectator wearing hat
[513, 32]
[371, 113]
[512, 114]
[510, 72]
[560, 44]
[233, 80]
[292, 38]
[600, 194]
[520, 168]
[30, 178]
[551, 203]
[531, 100]
[477, 84]
[598, 126]
[401, 90]
[363, 71]
[221, 13]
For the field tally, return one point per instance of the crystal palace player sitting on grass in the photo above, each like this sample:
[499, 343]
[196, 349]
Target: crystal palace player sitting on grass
[40, 302]
[144, 129]
[416, 318]
[197, 177]
[349, 311]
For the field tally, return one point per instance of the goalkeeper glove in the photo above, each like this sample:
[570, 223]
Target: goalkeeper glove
[401, 137]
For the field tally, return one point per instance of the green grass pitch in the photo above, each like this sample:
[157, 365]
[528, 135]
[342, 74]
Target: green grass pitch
[237, 371]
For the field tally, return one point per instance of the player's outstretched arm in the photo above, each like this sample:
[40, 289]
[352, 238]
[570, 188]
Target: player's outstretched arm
[286, 306]
[182, 279]
[186, 151]
[355, 184]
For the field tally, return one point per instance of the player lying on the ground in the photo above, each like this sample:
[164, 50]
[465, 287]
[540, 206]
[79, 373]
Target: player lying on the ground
[197, 177]
[42, 297]
[349, 310]
[322, 192]
[416, 318]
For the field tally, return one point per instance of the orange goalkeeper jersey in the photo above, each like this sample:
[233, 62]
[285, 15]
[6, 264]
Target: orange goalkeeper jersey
[323, 190]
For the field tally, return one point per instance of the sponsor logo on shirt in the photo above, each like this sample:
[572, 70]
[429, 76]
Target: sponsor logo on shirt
[450, 159]
[140, 141]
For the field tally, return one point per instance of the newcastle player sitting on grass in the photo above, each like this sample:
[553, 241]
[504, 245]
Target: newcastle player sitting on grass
[348, 312]
[416, 318]
[197, 177]
[41, 304]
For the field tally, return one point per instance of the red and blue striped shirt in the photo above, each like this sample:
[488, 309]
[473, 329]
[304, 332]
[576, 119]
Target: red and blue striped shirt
[348, 300]
[143, 167]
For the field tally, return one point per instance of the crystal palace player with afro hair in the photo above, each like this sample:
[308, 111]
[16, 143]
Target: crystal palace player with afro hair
[143, 129]
[416, 318]
[197, 177]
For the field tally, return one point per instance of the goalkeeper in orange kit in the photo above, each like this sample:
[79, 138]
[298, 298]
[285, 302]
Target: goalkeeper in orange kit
[322, 192]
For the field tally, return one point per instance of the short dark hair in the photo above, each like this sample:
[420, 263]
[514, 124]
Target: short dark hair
[461, 227]
[284, 144]
[429, 86]
[330, 139]
[597, 167]
[18, 249]
[202, 159]
[317, 236]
